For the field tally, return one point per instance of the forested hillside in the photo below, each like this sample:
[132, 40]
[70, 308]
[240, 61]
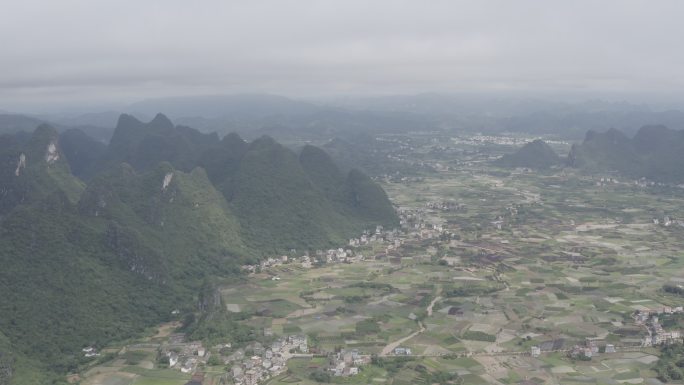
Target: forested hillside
[100, 257]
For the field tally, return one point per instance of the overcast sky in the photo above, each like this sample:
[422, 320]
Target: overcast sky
[89, 52]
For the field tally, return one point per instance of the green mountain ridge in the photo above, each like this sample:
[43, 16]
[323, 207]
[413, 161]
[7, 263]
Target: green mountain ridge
[144, 145]
[86, 263]
[34, 168]
[279, 205]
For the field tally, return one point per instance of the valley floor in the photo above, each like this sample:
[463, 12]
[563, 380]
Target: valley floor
[497, 277]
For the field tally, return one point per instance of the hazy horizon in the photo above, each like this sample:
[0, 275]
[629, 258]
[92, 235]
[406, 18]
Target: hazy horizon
[83, 54]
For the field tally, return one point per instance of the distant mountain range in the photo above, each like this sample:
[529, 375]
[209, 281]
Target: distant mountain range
[99, 241]
[239, 106]
[250, 115]
[655, 153]
[254, 115]
[496, 114]
[12, 123]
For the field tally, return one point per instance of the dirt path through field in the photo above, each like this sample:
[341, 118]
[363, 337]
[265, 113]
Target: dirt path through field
[432, 304]
[387, 350]
[390, 347]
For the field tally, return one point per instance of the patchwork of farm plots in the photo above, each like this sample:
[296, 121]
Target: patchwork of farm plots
[549, 260]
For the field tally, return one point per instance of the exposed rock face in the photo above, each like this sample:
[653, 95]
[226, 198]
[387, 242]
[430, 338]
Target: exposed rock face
[21, 164]
[51, 155]
[167, 180]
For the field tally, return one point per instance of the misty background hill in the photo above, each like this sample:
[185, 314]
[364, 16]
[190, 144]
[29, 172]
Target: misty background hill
[535, 155]
[253, 115]
[655, 153]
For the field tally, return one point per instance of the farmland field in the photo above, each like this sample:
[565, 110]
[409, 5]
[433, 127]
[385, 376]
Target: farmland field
[517, 259]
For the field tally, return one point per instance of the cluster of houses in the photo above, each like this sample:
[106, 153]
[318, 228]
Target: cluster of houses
[650, 319]
[182, 355]
[641, 182]
[265, 362]
[477, 140]
[347, 362]
[413, 222]
[411, 218]
[590, 349]
[603, 181]
[341, 256]
[667, 221]
[266, 263]
[391, 238]
[446, 206]
[367, 238]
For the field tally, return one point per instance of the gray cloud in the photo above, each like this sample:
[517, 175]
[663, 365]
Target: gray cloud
[84, 51]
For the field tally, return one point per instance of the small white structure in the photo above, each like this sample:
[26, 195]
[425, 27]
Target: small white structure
[535, 351]
[173, 359]
[402, 351]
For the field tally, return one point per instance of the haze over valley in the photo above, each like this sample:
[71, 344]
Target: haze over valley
[327, 192]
